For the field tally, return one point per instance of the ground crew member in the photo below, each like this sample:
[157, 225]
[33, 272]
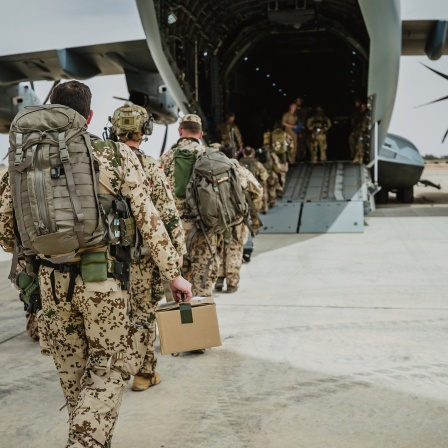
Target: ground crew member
[231, 256]
[200, 267]
[318, 125]
[289, 123]
[230, 133]
[130, 124]
[89, 334]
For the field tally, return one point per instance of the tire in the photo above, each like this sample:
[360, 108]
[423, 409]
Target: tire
[406, 195]
[382, 197]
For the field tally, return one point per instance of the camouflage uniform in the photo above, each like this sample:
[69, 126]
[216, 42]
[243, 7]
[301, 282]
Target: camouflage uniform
[318, 125]
[231, 257]
[279, 166]
[200, 267]
[146, 284]
[225, 130]
[94, 345]
[262, 177]
[291, 119]
[359, 134]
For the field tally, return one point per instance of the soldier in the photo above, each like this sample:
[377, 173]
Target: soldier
[258, 170]
[281, 143]
[230, 133]
[360, 134]
[130, 124]
[231, 257]
[289, 123]
[200, 264]
[264, 157]
[318, 125]
[85, 325]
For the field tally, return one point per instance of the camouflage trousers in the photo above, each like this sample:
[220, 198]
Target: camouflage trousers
[318, 142]
[264, 204]
[95, 349]
[359, 152]
[292, 153]
[200, 267]
[271, 188]
[231, 258]
[32, 329]
[144, 276]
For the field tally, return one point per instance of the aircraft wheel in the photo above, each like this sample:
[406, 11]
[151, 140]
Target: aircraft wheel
[406, 195]
[382, 197]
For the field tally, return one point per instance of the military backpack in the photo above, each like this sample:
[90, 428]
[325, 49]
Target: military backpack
[53, 180]
[214, 194]
[279, 144]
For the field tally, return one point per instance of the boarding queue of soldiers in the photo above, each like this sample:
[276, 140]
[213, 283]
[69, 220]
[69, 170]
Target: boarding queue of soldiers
[96, 287]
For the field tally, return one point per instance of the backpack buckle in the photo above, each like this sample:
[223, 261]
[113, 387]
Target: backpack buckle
[18, 158]
[63, 153]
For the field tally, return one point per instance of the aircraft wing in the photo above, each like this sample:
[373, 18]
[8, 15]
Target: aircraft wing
[425, 37]
[79, 62]
[132, 58]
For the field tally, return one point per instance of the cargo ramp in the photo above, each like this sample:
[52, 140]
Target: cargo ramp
[331, 197]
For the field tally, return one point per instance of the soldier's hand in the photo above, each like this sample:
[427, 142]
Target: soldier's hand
[179, 286]
[181, 261]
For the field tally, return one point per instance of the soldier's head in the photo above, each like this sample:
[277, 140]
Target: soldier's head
[292, 107]
[363, 107]
[249, 152]
[319, 110]
[299, 102]
[190, 125]
[131, 123]
[227, 150]
[231, 117]
[75, 95]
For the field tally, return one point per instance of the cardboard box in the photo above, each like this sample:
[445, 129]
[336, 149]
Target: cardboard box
[188, 326]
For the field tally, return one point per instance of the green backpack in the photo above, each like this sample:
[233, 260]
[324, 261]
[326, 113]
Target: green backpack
[214, 194]
[184, 160]
[54, 183]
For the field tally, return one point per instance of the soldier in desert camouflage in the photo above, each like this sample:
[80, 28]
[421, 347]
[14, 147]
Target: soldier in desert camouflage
[200, 265]
[94, 344]
[130, 124]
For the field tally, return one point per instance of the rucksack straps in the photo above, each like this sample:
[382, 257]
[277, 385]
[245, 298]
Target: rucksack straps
[74, 198]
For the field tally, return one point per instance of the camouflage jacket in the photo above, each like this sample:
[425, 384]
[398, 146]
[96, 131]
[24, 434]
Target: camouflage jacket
[123, 177]
[225, 130]
[162, 197]
[167, 163]
[262, 173]
[249, 183]
[277, 165]
[318, 122]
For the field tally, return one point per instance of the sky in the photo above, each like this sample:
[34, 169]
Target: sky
[56, 24]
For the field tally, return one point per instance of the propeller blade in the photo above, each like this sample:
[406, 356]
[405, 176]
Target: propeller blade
[51, 90]
[444, 137]
[435, 71]
[435, 101]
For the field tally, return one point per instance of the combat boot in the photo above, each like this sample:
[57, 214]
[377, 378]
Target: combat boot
[143, 381]
[230, 289]
[219, 284]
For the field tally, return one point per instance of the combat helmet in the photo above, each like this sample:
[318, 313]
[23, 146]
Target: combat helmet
[129, 120]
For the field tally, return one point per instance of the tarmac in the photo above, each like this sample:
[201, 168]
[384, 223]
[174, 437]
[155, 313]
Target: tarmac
[331, 341]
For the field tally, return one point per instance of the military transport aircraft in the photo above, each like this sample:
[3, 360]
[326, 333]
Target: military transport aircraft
[251, 57]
